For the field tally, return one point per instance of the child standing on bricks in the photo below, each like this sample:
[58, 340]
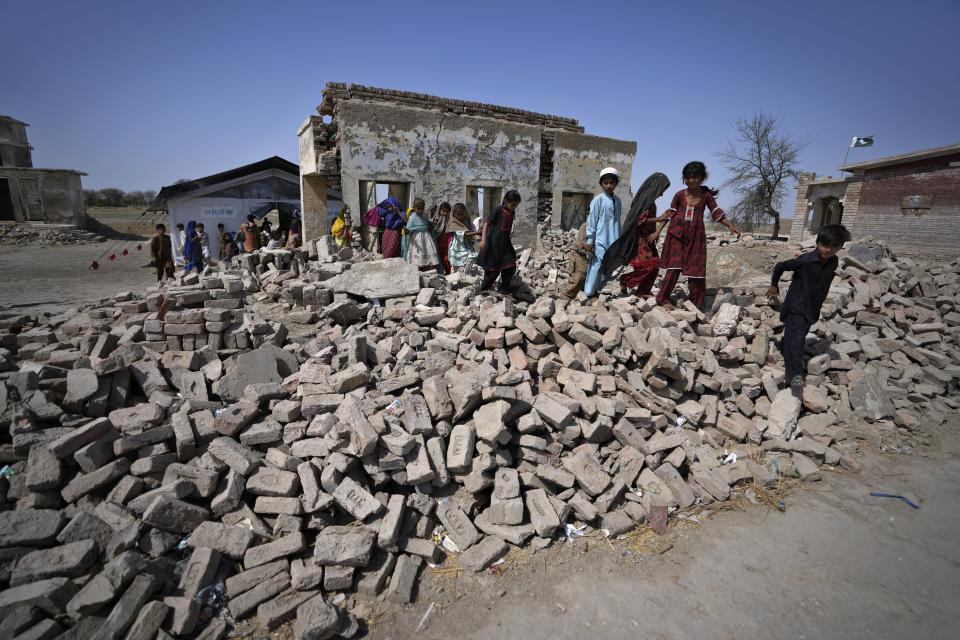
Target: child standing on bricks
[603, 228]
[685, 248]
[496, 253]
[812, 274]
[579, 261]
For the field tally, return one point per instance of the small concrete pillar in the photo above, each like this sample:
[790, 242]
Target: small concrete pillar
[801, 207]
[313, 205]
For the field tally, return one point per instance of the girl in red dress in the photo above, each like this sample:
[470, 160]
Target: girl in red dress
[685, 248]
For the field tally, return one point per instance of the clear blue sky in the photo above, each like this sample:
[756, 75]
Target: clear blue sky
[140, 94]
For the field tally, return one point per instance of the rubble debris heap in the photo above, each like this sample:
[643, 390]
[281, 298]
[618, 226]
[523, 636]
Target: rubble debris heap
[418, 145]
[306, 428]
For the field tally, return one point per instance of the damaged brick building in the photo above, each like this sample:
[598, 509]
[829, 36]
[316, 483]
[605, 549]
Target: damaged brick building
[911, 201]
[415, 145]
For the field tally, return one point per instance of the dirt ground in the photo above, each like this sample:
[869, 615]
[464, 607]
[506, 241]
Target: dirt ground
[837, 563]
[42, 279]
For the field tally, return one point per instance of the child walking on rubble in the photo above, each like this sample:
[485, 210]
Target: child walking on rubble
[603, 228]
[161, 250]
[579, 262]
[496, 253]
[420, 248]
[462, 252]
[685, 248]
[439, 223]
[812, 274]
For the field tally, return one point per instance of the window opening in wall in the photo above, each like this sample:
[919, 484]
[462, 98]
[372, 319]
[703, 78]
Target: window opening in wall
[574, 207]
[481, 200]
[915, 205]
[373, 192]
[6, 201]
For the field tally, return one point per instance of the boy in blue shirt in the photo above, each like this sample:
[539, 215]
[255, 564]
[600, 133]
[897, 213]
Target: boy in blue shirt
[812, 274]
[603, 228]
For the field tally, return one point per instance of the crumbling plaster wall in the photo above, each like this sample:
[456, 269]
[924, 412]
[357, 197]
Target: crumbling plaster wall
[578, 159]
[14, 146]
[307, 146]
[439, 154]
[60, 195]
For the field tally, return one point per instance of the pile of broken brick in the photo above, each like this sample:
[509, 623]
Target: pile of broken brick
[21, 235]
[246, 449]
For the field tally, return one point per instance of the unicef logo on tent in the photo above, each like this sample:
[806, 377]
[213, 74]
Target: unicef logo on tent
[220, 211]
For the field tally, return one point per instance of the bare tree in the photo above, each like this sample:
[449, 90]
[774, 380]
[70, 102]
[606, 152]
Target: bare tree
[760, 163]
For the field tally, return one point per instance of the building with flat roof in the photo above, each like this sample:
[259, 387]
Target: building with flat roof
[370, 143]
[35, 195]
[911, 201]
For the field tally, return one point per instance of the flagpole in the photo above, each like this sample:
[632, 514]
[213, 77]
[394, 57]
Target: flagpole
[845, 158]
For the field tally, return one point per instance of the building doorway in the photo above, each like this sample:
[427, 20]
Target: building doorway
[373, 192]
[6, 201]
[826, 210]
[32, 201]
[482, 200]
[574, 207]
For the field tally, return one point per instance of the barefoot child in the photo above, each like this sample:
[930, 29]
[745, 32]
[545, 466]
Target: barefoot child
[812, 274]
[685, 248]
[603, 228]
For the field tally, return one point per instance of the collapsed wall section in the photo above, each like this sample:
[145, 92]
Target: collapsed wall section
[336, 92]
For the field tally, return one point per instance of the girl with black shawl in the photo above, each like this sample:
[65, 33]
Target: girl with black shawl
[633, 244]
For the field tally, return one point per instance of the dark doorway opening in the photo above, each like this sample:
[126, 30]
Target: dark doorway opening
[574, 208]
[6, 201]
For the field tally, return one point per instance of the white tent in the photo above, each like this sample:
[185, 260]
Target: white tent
[228, 197]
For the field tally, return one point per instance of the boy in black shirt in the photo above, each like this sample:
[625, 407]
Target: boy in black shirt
[812, 274]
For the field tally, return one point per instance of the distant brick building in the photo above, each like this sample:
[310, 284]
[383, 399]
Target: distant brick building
[911, 201]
